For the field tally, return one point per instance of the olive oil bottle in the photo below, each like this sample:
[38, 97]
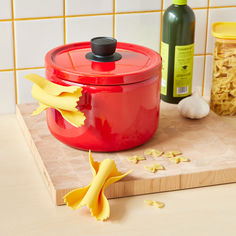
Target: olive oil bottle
[177, 50]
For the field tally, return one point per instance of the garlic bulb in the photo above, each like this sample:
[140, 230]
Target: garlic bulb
[193, 107]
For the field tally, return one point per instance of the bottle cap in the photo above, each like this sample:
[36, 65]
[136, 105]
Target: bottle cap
[180, 2]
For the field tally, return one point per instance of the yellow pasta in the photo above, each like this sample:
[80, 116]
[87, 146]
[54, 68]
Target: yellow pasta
[154, 168]
[178, 159]
[153, 152]
[170, 154]
[223, 92]
[135, 159]
[154, 203]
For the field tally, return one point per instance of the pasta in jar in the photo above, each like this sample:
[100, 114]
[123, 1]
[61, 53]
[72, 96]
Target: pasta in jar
[223, 91]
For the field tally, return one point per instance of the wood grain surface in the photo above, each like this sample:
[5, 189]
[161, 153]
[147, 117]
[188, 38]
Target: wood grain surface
[209, 143]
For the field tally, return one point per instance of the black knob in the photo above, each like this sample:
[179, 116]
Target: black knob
[103, 46]
[103, 50]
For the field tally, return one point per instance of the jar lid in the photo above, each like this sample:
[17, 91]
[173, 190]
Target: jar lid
[108, 63]
[224, 30]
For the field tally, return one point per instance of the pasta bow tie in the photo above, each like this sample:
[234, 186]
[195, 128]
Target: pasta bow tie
[104, 174]
[62, 98]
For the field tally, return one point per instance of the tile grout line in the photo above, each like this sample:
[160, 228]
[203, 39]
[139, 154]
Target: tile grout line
[64, 19]
[38, 18]
[6, 70]
[162, 5]
[216, 7]
[73, 16]
[136, 12]
[14, 50]
[19, 69]
[5, 20]
[202, 54]
[30, 68]
[114, 18]
[199, 8]
[87, 15]
[103, 14]
[205, 49]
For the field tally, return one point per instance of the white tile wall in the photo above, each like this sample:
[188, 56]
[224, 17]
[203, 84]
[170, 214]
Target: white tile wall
[80, 7]
[34, 38]
[24, 86]
[137, 5]
[6, 45]
[200, 30]
[85, 28]
[198, 68]
[218, 14]
[5, 9]
[208, 75]
[7, 92]
[222, 3]
[191, 3]
[143, 29]
[37, 8]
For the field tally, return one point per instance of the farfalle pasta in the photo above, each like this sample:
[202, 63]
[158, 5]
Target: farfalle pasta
[154, 168]
[62, 98]
[154, 203]
[153, 152]
[104, 173]
[223, 91]
[135, 159]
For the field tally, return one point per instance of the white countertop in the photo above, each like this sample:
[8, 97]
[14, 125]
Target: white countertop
[26, 207]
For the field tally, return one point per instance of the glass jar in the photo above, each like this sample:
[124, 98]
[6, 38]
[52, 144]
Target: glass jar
[223, 91]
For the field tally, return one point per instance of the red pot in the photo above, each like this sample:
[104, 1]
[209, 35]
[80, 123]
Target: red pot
[121, 93]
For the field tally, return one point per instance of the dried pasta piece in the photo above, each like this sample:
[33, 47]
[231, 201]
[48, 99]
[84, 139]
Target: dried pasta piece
[154, 168]
[170, 154]
[150, 169]
[153, 152]
[178, 159]
[158, 166]
[149, 202]
[135, 159]
[154, 203]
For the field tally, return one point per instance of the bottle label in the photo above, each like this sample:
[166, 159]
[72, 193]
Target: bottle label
[164, 71]
[183, 70]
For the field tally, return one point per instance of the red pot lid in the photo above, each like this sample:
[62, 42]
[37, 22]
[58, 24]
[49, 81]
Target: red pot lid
[110, 63]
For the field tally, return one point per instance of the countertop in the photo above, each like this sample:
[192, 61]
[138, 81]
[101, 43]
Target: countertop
[26, 207]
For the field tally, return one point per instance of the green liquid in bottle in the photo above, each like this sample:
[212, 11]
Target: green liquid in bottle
[177, 50]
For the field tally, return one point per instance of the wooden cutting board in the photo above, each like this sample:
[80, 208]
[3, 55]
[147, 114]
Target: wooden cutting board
[209, 143]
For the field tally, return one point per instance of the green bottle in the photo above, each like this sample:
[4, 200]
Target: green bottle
[177, 50]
